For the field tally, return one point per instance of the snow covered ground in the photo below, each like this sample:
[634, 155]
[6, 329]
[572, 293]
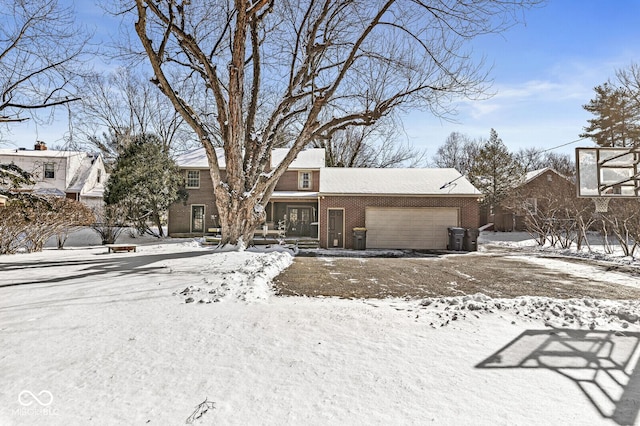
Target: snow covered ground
[95, 338]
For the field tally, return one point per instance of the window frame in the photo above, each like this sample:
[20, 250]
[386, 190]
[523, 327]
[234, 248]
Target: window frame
[302, 180]
[187, 178]
[52, 171]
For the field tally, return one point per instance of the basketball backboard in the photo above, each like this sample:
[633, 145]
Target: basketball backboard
[608, 172]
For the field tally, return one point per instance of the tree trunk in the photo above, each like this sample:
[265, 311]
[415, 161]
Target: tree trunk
[239, 217]
[158, 223]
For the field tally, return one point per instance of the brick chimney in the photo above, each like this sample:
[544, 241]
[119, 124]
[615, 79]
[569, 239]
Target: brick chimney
[40, 146]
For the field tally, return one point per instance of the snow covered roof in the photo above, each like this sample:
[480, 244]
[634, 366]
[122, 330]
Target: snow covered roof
[293, 194]
[47, 153]
[307, 159]
[197, 159]
[434, 182]
[312, 158]
[81, 176]
[96, 192]
[529, 176]
[55, 192]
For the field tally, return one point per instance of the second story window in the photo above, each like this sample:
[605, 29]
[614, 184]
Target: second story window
[49, 171]
[99, 177]
[304, 180]
[193, 178]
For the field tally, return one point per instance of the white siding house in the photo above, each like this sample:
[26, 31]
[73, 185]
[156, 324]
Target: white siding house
[72, 174]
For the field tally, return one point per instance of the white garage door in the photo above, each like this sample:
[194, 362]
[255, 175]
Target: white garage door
[409, 228]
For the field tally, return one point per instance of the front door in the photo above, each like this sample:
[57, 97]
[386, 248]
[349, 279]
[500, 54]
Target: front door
[299, 220]
[197, 219]
[336, 228]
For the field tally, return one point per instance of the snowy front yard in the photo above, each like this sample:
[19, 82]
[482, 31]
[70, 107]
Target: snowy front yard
[95, 338]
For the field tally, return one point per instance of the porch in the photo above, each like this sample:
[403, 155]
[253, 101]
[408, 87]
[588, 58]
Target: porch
[259, 240]
[291, 218]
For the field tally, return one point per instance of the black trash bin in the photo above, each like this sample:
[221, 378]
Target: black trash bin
[470, 242]
[314, 229]
[456, 237]
[359, 238]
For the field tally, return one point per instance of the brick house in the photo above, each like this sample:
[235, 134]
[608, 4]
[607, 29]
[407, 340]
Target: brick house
[294, 200]
[400, 208]
[536, 189]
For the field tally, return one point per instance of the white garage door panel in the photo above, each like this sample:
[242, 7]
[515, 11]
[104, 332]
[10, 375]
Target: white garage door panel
[409, 228]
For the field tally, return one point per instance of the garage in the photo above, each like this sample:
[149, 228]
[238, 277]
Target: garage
[400, 208]
[409, 228]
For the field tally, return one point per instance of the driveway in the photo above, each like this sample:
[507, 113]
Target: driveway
[495, 272]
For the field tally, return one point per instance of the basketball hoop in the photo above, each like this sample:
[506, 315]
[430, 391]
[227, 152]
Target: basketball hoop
[602, 204]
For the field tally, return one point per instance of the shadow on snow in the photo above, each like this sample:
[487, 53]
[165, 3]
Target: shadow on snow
[103, 264]
[603, 364]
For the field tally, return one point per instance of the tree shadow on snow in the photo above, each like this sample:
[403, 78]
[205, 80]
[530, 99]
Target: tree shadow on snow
[603, 364]
[116, 264]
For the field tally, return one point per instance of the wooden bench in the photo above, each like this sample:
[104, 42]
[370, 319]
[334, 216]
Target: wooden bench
[116, 248]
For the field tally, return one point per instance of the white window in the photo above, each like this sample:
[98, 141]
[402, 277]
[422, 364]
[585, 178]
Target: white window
[49, 171]
[193, 178]
[304, 180]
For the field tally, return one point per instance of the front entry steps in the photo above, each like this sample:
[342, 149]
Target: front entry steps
[302, 243]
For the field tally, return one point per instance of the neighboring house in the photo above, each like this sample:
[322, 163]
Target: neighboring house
[400, 208]
[3, 200]
[535, 191]
[75, 175]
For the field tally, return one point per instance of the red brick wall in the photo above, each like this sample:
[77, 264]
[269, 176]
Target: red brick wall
[355, 209]
[545, 187]
[180, 212]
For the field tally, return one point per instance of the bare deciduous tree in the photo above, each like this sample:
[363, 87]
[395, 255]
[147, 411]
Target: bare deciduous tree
[123, 104]
[308, 69]
[531, 159]
[40, 51]
[622, 220]
[458, 152]
[374, 146]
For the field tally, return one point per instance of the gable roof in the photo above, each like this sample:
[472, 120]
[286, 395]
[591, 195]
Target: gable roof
[47, 153]
[312, 158]
[391, 181]
[529, 176]
[72, 175]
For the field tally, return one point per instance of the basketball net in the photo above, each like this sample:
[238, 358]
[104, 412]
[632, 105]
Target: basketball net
[602, 204]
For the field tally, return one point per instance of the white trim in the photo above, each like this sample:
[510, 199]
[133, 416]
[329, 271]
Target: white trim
[373, 194]
[186, 179]
[300, 180]
[44, 170]
[287, 195]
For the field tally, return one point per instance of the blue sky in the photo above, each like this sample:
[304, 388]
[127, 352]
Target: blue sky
[543, 71]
